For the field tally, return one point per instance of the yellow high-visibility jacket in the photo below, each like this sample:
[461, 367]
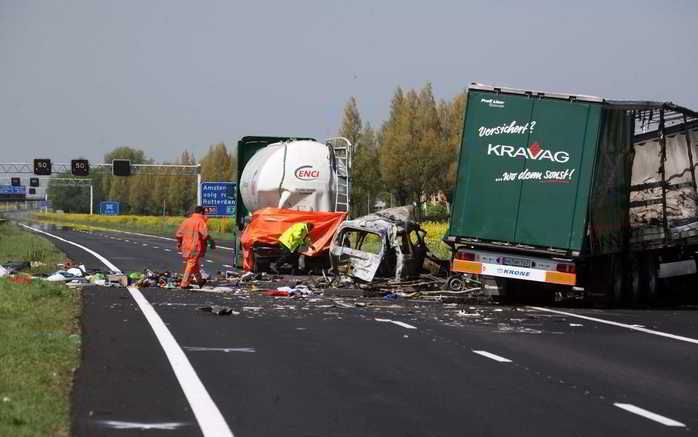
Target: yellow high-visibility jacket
[295, 236]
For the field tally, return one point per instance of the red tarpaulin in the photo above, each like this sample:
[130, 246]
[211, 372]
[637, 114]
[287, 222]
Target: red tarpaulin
[268, 224]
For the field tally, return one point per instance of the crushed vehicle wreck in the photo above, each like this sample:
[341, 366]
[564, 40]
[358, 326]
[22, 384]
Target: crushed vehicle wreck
[388, 243]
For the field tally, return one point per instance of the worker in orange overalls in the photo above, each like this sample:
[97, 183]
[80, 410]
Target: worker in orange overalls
[192, 238]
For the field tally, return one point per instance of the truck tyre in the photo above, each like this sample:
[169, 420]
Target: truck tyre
[650, 279]
[636, 284]
[616, 280]
[607, 278]
[505, 288]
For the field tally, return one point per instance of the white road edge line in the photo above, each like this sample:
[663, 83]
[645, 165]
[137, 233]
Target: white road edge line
[205, 410]
[104, 261]
[649, 415]
[396, 322]
[207, 414]
[620, 325]
[493, 356]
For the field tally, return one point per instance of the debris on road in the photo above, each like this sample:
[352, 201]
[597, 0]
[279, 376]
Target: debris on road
[17, 266]
[21, 279]
[217, 309]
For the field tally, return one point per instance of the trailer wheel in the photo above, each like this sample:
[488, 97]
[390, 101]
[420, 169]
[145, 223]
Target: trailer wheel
[651, 280]
[616, 276]
[636, 286]
[607, 278]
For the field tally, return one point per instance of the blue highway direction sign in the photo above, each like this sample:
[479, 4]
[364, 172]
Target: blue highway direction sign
[219, 198]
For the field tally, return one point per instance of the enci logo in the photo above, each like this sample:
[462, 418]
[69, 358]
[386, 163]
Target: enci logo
[307, 173]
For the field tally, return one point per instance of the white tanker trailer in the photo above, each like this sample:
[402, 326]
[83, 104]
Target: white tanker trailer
[305, 175]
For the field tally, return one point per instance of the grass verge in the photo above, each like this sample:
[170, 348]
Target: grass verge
[39, 342]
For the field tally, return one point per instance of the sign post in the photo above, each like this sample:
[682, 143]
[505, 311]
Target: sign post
[219, 198]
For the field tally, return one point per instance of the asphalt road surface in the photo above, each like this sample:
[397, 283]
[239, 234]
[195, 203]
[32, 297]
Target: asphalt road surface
[326, 367]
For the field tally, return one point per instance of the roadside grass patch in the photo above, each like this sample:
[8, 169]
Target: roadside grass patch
[17, 244]
[39, 342]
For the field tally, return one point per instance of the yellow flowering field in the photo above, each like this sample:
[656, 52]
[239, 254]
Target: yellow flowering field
[435, 233]
[132, 222]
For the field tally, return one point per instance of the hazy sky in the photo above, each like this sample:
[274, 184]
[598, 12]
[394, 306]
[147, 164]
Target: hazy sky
[78, 78]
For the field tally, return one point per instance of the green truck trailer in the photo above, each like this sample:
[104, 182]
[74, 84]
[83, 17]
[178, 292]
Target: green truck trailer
[575, 191]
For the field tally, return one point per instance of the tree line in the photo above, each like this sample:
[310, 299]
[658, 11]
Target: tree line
[411, 156]
[145, 194]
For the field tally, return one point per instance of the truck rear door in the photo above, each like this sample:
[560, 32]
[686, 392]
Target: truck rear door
[524, 169]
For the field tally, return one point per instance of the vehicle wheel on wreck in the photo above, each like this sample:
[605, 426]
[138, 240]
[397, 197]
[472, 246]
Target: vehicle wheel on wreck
[456, 283]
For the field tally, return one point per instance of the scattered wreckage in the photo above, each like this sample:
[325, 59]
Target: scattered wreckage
[384, 249]
[383, 254]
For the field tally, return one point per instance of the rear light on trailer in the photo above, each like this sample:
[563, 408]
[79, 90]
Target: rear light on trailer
[465, 256]
[566, 268]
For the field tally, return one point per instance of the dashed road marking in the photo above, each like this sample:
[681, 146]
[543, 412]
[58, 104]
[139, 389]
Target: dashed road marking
[207, 414]
[396, 322]
[209, 261]
[638, 328]
[219, 349]
[160, 237]
[167, 250]
[228, 266]
[492, 356]
[118, 424]
[649, 415]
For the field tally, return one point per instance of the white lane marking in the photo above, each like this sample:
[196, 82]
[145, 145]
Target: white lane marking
[493, 356]
[161, 238]
[145, 244]
[228, 266]
[205, 410]
[649, 415]
[155, 247]
[621, 325]
[117, 424]
[105, 261]
[167, 250]
[219, 349]
[207, 414]
[396, 322]
[209, 261]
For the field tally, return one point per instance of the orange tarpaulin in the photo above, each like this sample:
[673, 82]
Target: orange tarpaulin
[269, 223]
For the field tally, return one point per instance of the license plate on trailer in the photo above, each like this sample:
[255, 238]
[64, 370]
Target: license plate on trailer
[517, 262]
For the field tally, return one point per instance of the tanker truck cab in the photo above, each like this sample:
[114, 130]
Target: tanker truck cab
[565, 191]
